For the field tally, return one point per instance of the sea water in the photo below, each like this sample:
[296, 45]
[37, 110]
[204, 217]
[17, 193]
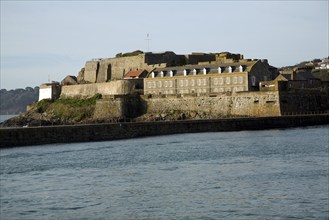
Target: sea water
[270, 174]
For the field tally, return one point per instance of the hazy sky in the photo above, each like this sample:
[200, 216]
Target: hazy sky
[52, 39]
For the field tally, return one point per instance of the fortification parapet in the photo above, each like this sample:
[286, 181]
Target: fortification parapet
[118, 87]
[91, 70]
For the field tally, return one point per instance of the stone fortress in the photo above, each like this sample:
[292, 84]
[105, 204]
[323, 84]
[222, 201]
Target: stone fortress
[194, 86]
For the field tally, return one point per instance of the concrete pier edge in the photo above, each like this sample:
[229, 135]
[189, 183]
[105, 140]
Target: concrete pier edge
[14, 137]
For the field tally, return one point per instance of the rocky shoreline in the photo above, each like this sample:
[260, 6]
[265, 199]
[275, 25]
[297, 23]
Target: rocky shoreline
[68, 112]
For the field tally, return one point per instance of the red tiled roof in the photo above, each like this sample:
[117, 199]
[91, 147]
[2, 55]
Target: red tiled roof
[134, 73]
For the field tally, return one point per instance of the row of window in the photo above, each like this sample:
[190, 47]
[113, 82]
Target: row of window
[197, 90]
[195, 82]
[228, 80]
[203, 71]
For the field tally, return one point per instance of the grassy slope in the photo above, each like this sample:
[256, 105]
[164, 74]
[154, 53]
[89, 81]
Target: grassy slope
[70, 110]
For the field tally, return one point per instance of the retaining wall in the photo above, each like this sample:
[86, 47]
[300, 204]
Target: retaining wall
[239, 104]
[100, 132]
[119, 87]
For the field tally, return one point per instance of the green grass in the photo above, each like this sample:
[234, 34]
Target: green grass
[79, 102]
[72, 110]
[43, 105]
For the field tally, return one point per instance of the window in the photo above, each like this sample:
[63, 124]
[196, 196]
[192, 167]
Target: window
[235, 80]
[204, 71]
[229, 69]
[241, 79]
[199, 82]
[219, 70]
[181, 83]
[194, 71]
[253, 80]
[192, 82]
[215, 81]
[228, 80]
[221, 81]
[184, 72]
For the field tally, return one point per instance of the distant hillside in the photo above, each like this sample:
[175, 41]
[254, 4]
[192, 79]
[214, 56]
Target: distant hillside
[317, 67]
[313, 64]
[15, 101]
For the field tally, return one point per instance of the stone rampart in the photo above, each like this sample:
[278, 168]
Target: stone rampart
[103, 70]
[119, 87]
[301, 101]
[122, 65]
[222, 105]
[91, 70]
[114, 109]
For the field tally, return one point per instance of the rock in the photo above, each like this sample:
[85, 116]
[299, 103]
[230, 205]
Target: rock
[69, 80]
[193, 114]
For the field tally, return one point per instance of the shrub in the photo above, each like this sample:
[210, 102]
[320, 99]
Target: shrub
[43, 105]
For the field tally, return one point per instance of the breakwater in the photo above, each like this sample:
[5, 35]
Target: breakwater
[12, 137]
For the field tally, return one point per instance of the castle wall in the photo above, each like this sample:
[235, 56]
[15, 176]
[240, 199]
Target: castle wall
[115, 68]
[170, 58]
[91, 70]
[104, 72]
[119, 87]
[239, 104]
[114, 109]
[121, 66]
[303, 101]
[196, 58]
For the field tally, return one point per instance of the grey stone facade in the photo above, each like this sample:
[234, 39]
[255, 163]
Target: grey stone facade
[208, 78]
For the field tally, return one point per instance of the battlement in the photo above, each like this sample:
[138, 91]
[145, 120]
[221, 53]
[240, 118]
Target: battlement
[105, 69]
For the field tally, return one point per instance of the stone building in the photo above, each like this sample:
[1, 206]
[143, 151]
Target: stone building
[69, 80]
[49, 91]
[243, 75]
[289, 81]
[104, 70]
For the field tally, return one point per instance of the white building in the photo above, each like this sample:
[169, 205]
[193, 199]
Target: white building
[49, 91]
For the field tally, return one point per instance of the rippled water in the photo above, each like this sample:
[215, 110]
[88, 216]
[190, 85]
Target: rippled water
[272, 174]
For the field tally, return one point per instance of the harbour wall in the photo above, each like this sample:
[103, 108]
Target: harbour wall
[13, 137]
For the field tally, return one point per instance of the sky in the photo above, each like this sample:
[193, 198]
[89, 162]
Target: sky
[48, 40]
